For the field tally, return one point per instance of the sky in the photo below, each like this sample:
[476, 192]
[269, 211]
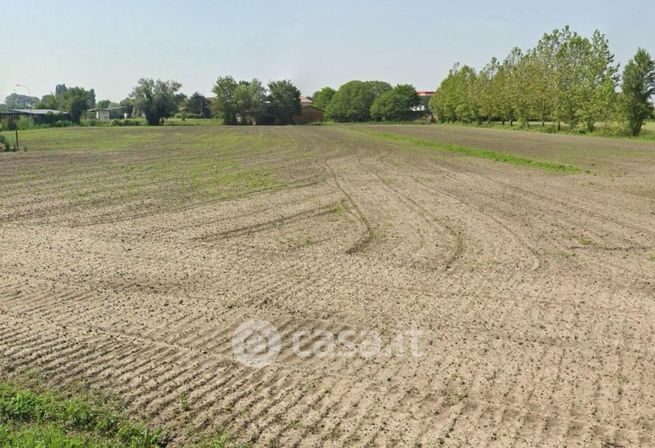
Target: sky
[109, 45]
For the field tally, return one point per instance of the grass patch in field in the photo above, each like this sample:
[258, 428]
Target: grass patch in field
[83, 138]
[297, 243]
[225, 180]
[220, 440]
[200, 176]
[43, 419]
[338, 208]
[496, 156]
[34, 418]
[585, 241]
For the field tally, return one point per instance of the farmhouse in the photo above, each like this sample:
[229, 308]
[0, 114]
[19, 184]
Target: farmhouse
[40, 116]
[424, 96]
[110, 113]
[308, 112]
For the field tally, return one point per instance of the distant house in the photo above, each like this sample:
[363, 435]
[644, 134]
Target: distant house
[424, 96]
[110, 113]
[424, 105]
[308, 112]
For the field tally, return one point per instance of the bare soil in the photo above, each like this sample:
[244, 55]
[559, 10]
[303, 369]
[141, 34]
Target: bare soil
[534, 291]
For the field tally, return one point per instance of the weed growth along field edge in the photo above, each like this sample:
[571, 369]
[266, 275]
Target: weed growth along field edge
[497, 156]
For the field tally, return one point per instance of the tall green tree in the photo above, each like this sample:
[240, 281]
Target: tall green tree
[128, 104]
[501, 86]
[545, 95]
[156, 99]
[596, 92]
[250, 102]
[638, 87]
[77, 101]
[180, 100]
[567, 78]
[586, 78]
[51, 101]
[283, 101]
[605, 77]
[74, 100]
[103, 104]
[486, 99]
[17, 101]
[225, 103]
[323, 97]
[522, 72]
[91, 98]
[455, 98]
[199, 105]
[353, 100]
[396, 104]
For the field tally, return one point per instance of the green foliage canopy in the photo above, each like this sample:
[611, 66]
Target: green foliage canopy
[283, 101]
[353, 100]
[156, 99]
[17, 101]
[249, 102]
[321, 99]
[566, 78]
[198, 105]
[396, 104]
[638, 85]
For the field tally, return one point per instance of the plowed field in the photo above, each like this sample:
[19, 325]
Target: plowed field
[128, 257]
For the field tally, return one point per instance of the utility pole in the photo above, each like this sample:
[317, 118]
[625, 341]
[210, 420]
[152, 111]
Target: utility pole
[16, 129]
[29, 94]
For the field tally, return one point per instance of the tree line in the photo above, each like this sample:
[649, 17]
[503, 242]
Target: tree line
[249, 102]
[252, 102]
[368, 100]
[74, 100]
[566, 78]
[236, 102]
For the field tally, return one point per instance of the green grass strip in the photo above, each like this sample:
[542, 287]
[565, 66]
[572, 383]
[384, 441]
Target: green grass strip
[36, 418]
[27, 417]
[496, 156]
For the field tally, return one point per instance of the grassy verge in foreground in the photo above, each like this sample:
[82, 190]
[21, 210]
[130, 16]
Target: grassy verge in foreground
[497, 156]
[42, 419]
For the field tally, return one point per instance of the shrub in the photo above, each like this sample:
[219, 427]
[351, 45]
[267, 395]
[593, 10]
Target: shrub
[25, 123]
[5, 145]
[187, 115]
[125, 122]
